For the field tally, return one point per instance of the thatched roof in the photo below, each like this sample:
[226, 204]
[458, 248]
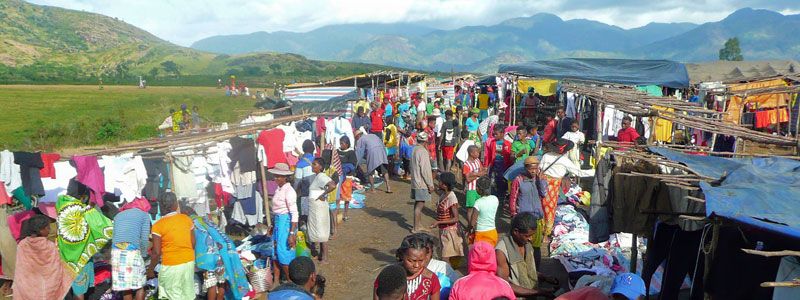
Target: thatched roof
[739, 70]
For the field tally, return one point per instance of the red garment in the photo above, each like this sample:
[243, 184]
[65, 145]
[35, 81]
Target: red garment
[272, 141]
[491, 152]
[762, 119]
[584, 293]
[15, 222]
[48, 159]
[425, 287]
[221, 197]
[90, 174]
[140, 203]
[550, 131]
[627, 135]
[4, 198]
[376, 116]
[431, 142]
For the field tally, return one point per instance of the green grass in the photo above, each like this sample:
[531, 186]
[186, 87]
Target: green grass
[53, 117]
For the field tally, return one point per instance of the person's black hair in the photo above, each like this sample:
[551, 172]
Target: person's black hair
[627, 118]
[308, 146]
[390, 280]
[167, 202]
[345, 140]
[484, 185]
[499, 128]
[431, 118]
[522, 128]
[523, 222]
[186, 209]
[430, 241]
[448, 113]
[464, 134]
[300, 270]
[32, 226]
[444, 92]
[530, 128]
[320, 161]
[389, 120]
[411, 242]
[448, 179]
[360, 109]
[472, 148]
[500, 298]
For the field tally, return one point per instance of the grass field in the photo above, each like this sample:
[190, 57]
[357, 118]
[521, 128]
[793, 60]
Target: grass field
[53, 117]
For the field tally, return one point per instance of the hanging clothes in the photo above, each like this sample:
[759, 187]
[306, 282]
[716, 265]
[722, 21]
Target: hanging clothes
[663, 128]
[183, 184]
[90, 175]
[337, 128]
[156, 170]
[49, 159]
[54, 187]
[612, 121]
[9, 172]
[243, 151]
[30, 165]
[272, 141]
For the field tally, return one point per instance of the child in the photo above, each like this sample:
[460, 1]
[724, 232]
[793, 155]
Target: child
[482, 224]
[473, 169]
[534, 139]
[578, 138]
[348, 158]
[521, 148]
[497, 157]
[447, 218]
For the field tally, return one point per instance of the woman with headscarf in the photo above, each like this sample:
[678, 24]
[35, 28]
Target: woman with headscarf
[40, 273]
[319, 226]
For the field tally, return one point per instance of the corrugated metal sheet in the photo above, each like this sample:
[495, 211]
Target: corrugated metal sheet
[316, 94]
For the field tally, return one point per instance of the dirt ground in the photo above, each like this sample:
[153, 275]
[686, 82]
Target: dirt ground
[366, 243]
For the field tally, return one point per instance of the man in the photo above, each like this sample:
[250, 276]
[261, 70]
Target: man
[481, 283]
[362, 120]
[376, 120]
[363, 104]
[421, 178]
[450, 133]
[370, 151]
[195, 117]
[564, 122]
[627, 134]
[515, 258]
[173, 246]
[303, 276]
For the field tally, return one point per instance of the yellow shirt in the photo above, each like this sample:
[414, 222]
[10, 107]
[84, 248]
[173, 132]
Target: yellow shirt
[483, 101]
[175, 231]
[361, 103]
[390, 140]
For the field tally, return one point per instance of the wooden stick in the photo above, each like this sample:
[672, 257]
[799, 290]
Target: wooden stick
[793, 283]
[692, 218]
[264, 193]
[696, 199]
[772, 253]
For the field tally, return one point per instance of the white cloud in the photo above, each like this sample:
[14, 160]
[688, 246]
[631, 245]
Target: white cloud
[186, 21]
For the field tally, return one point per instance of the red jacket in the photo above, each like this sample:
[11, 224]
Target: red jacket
[628, 135]
[550, 131]
[376, 116]
[491, 152]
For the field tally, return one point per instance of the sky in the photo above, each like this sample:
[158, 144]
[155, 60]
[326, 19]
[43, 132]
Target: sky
[186, 21]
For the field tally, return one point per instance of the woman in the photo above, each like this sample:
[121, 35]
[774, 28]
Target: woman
[472, 124]
[421, 283]
[39, 273]
[554, 166]
[319, 226]
[285, 216]
[215, 255]
[130, 240]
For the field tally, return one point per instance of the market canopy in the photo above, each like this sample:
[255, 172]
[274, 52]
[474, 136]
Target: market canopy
[331, 105]
[623, 71]
[761, 192]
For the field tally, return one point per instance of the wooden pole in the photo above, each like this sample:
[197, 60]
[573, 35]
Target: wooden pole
[710, 252]
[634, 253]
[265, 195]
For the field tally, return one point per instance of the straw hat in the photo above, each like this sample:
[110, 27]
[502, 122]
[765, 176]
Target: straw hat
[281, 169]
[422, 137]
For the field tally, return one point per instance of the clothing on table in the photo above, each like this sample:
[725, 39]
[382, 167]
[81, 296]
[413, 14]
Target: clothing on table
[371, 151]
[319, 210]
[40, 273]
[90, 175]
[82, 232]
[30, 165]
[176, 282]
[175, 230]
[526, 195]
[487, 209]
[482, 281]
[48, 159]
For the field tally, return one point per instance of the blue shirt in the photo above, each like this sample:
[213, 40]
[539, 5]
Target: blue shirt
[472, 125]
[132, 226]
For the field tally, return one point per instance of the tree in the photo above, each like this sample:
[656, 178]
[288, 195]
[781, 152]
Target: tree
[153, 72]
[732, 51]
[171, 67]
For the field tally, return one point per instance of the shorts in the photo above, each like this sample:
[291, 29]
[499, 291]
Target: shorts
[472, 196]
[448, 152]
[452, 243]
[381, 170]
[420, 195]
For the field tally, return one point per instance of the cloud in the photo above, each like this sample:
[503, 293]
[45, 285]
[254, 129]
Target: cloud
[186, 21]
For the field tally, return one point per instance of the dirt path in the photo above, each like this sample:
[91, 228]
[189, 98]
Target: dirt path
[368, 240]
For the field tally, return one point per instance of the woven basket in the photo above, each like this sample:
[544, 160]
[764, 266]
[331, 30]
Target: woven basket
[260, 279]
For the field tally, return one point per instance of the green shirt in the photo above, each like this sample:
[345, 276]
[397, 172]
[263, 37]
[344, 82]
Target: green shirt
[518, 146]
[429, 108]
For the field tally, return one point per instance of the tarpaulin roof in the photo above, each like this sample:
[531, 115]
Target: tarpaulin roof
[317, 93]
[762, 192]
[623, 71]
[333, 104]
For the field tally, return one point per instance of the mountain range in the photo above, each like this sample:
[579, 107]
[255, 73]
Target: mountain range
[763, 34]
[51, 44]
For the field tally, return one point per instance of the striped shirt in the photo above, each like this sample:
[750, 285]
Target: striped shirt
[472, 166]
[132, 226]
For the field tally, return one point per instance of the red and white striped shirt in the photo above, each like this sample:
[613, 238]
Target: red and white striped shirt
[472, 166]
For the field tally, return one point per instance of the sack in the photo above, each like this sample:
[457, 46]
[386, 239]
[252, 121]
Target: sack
[301, 247]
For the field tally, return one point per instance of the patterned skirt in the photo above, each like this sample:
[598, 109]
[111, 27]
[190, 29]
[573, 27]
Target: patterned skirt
[127, 269]
[549, 203]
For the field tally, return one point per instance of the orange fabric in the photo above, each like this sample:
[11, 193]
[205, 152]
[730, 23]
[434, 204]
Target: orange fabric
[734, 106]
[549, 203]
[489, 236]
[176, 239]
[347, 190]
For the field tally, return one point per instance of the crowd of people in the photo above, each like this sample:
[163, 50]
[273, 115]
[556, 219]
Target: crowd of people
[182, 120]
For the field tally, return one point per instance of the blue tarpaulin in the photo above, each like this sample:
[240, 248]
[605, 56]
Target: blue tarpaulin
[762, 192]
[623, 71]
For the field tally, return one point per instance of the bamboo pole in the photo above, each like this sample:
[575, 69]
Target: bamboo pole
[772, 253]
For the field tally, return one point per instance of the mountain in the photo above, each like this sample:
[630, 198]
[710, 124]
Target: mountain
[468, 48]
[762, 34]
[44, 43]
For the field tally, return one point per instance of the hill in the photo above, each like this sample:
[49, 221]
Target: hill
[50, 44]
[763, 34]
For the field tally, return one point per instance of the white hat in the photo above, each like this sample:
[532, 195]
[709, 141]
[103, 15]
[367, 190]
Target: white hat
[281, 169]
[422, 137]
